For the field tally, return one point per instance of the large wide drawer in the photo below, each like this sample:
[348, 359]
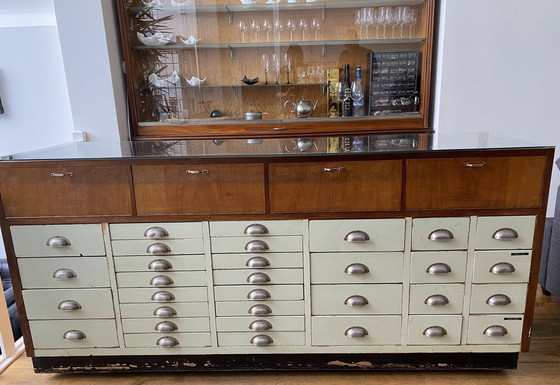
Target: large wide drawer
[495, 329]
[176, 325]
[274, 339]
[434, 329]
[438, 266]
[440, 233]
[356, 330]
[252, 228]
[509, 232]
[436, 299]
[247, 261]
[290, 243]
[155, 247]
[356, 299]
[276, 323]
[176, 294]
[163, 279]
[160, 263]
[164, 311]
[170, 341]
[264, 277]
[502, 266]
[258, 293]
[168, 230]
[68, 304]
[244, 308]
[498, 298]
[74, 334]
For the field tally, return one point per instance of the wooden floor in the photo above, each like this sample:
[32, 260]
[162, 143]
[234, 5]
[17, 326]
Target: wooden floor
[540, 366]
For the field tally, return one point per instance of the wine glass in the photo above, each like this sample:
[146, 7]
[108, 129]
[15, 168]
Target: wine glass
[278, 27]
[256, 27]
[300, 73]
[320, 71]
[411, 20]
[310, 73]
[243, 29]
[377, 21]
[266, 66]
[401, 13]
[303, 26]
[288, 60]
[385, 18]
[267, 27]
[369, 16]
[359, 23]
[316, 26]
[291, 27]
[276, 65]
[395, 20]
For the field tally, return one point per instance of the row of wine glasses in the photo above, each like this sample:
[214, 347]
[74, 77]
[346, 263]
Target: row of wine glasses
[308, 74]
[386, 17]
[278, 26]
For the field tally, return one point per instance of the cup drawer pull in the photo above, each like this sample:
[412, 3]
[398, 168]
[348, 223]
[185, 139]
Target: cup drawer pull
[262, 340]
[495, 331]
[256, 246]
[435, 331]
[165, 312]
[356, 269]
[58, 241]
[505, 234]
[156, 232]
[260, 310]
[167, 342]
[255, 229]
[356, 301]
[498, 300]
[260, 325]
[356, 332]
[161, 280]
[436, 300]
[502, 268]
[258, 278]
[257, 263]
[163, 296]
[440, 235]
[69, 305]
[356, 236]
[74, 335]
[160, 265]
[64, 274]
[438, 268]
[158, 248]
[166, 326]
[258, 295]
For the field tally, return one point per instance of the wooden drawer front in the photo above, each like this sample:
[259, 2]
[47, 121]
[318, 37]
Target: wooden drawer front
[242, 324]
[378, 267]
[498, 298]
[383, 234]
[243, 308]
[155, 263]
[381, 330]
[147, 310]
[68, 304]
[177, 279]
[432, 267]
[32, 241]
[277, 339]
[474, 182]
[335, 186]
[268, 261]
[480, 334]
[168, 230]
[38, 273]
[243, 277]
[183, 325]
[434, 329]
[178, 294]
[50, 334]
[259, 245]
[331, 300]
[199, 189]
[489, 229]
[502, 266]
[183, 340]
[436, 299]
[66, 191]
[154, 247]
[272, 293]
[264, 228]
[440, 233]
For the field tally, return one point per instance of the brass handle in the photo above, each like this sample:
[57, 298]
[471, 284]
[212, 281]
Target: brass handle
[64, 274]
[167, 342]
[438, 268]
[356, 236]
[156, 232]
[502, 268]
[278, 128]
[196, 171]
[260, 325]
[258, 278]
[498, 300]
[356, 268]
[435, 331]
[161, 280]
[74, 335]
[495, 331]
[158, 248]
[256, 246]
[260, 310]
[476, 165]
[58, 241]
[356, 332]
[163, 296]
[257, 263]
[436, 300]
[258, 295]
[165, 312]
[356, 301]
[505, 234]
[333, 169]
[69, 305]
[255, 229]
[440, 235]
[262, 340]
[160, 265]
[166, 326]
[61, 174]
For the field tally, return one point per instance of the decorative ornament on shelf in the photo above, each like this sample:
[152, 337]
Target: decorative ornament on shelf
[152, 3]
[190, 41]
[156, 81]
[156, 40]
[250, 82]
[195, 82]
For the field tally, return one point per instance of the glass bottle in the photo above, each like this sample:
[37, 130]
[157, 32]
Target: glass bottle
[358, 94]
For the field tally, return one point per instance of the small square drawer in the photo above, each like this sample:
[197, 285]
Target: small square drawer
[270, 308]
[434, 329]
[250, 261]
[498, 298]
[276, 323]
[288, 244]
[505, 232]
[163, 279]
[356, 299]
[170, 230]
[177, 325]
[164, 311]
[438, 266]
[436, 299]
[264, 340]
[74, 334]
[502, 266]
[440, 233]
[255, 229]
[155, 247]
[57, 240]
[167, 295]
[356, 330]
[258, 277]
[357, 235]
[495, 329]
[258, 293]
[160, 263]
[167, 341]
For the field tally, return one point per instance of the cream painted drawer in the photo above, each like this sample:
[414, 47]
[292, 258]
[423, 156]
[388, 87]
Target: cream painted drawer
[495, 329]
[65, 240]
[270, 277]
[436, 299]
[157, 247]
[162, 279]
[235, 308]
[160, 263]
[178, 294]
[495, 232]
[366, 299]
[167, 341]
[73, 272]
[251, 228]
[438, 266]
[289, 244]
[498, 298]
[440, 233]
[275, 323]
[434, 329]
[156, 230]
[164, 311]
[258, 293]
[357, 235]
[68, 304]
[502, 266]
[246, 261]
[74, 334]
[372, 267]
[357, 330]
[274, 339]
[176, 325]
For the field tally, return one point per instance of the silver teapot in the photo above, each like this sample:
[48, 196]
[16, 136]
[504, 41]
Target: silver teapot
[302, 109]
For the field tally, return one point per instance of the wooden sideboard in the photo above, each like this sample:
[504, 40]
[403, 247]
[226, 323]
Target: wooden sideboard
[237, 255]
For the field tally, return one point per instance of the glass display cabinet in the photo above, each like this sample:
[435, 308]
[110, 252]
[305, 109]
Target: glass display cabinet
[207, 68]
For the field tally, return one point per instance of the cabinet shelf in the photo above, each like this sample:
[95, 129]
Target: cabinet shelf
[254, 86]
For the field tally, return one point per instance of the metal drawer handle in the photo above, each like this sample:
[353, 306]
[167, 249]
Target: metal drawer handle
[440, 235]
[69, 305]
[158, 248]
[438, 268]
[436, 300]
[64, 274]
[58, 241]
[196, 171]
[258, 295]
[166, 326]
[356, 301]
[333, 169]
[61, 174]
[257, 263]
[476, 165]
[167, 342]
[495, 331]
[161, 280]
[262, 340]
[74, 335]
[278, 128]
[505, 234]
[435, 331]
[160, 265]
[256, 246]
[502, 268]
[165, 311]
[255, 229]
[260, 325]
[163, 296]
[260, 310]
[356, 269]
[356, 236]
[356, 332]
[258, 278]
[156, 232]
[498, 300]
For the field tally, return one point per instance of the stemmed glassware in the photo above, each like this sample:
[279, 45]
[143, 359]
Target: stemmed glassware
[278, 27]
[256, 27]
[411, 20]
[300, 73]
[310, 74]
[276, 65]
[316, 26]
[320, 71]
[288, 60]
[291, 27]
[243, 29]
[359, 23]
[266, 65]
[369, 16]
[267, 27]
[303, 26]
[385, 18]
